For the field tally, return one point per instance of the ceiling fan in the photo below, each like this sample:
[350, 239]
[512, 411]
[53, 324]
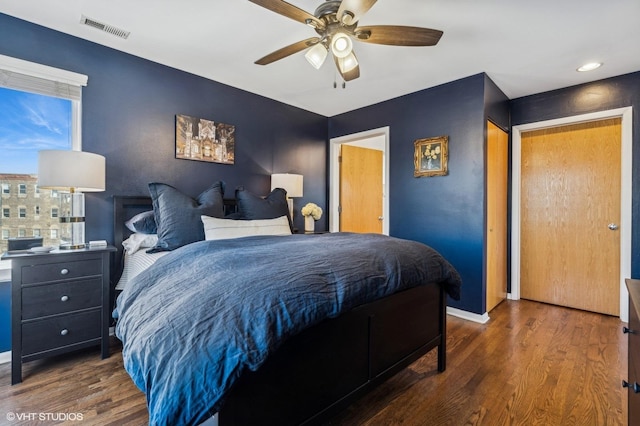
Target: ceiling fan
[336, 23]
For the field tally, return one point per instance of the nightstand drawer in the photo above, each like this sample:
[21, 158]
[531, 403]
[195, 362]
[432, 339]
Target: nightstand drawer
[60, 331]
[51, 299]
[61, 270]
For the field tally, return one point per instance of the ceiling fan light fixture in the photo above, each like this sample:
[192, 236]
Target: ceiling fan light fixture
[347, 63]
[341, 45]
[316, 55]
[347, 18]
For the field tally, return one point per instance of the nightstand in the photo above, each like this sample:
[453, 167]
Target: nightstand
[59, 303]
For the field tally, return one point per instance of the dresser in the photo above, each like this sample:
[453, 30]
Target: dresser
[633, 331]
[60, 302]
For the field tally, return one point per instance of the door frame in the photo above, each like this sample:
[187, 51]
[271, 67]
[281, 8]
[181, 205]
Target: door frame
[625, 194]
[375, 139]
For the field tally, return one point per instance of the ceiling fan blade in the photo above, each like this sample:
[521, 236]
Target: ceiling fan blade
[351, 74]
[288, 50]
[354, 8]
[290, 11]
[397, 35]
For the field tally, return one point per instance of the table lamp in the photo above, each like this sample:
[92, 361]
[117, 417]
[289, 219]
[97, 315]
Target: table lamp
[72, 173]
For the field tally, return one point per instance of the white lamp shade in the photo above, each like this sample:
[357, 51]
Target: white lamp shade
[347, 63]
[341, 45]
[316, 55]
[65, 170]
[289, 182]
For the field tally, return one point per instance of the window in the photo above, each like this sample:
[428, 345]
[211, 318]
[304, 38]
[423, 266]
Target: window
[44, 105]
[37, 232]
[5, 234]
[22, 233]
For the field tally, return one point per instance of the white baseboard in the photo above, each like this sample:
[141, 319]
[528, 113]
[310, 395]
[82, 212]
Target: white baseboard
[5, 357]
[469, 316]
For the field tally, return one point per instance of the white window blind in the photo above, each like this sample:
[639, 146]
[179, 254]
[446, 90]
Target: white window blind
[36, 78]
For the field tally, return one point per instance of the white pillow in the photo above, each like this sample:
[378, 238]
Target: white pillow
[137, 241]
[219, 229]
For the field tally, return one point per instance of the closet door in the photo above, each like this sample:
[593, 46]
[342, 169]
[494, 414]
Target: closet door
[497, 178]
[570, 204]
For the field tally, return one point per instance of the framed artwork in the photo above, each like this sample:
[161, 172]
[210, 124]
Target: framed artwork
[431, 156]
[204, 140]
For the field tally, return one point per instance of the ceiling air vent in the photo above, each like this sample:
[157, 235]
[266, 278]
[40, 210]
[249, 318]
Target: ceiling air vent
[104, 27]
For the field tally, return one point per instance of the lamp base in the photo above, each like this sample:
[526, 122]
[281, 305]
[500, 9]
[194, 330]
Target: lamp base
[72, 246]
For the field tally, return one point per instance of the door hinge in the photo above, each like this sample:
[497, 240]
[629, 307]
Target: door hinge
[339, 209]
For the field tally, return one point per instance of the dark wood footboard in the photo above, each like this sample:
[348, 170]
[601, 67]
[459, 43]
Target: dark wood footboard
[325, 368]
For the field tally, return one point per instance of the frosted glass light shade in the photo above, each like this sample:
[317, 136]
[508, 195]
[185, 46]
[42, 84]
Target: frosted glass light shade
[347, 63]
[291, 183]
[71, 170]
[316, 55]
[341, 45]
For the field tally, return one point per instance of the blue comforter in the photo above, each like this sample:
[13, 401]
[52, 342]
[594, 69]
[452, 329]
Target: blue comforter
[204, 313]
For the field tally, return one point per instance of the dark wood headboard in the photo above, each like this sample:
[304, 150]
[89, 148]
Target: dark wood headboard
[124, 208]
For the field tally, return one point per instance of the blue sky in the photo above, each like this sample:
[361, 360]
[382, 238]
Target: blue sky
[29, 123]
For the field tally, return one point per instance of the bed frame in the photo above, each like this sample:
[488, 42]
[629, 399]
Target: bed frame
[322, 370]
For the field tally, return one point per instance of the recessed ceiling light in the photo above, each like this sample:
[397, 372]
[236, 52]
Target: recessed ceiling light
[590, 66]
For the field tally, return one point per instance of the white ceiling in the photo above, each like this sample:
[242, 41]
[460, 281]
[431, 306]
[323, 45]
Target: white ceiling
[524, 46]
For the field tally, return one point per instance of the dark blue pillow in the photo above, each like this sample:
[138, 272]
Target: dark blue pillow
[177, 215]
[251, 206]
[144, 223]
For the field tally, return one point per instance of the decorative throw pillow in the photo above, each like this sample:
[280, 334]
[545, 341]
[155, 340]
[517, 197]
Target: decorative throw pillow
[251, 206]
[219, 229]
[143, 223]
[177, 215]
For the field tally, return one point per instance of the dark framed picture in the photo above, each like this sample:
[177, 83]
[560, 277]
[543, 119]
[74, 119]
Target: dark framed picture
[431, 156]
[204, 140]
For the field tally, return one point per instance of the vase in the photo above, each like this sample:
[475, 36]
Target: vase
[309, 224]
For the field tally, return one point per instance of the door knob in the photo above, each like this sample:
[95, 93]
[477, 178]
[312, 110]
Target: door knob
[380, 217]
[613, 226]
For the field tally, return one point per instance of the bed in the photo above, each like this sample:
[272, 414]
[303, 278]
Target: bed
[206, 340]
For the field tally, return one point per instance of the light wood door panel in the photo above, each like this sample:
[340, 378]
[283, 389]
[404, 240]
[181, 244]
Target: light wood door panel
[360, 189]
[570, 193]
[497, 180]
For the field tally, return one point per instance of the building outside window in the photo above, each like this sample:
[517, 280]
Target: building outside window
[22, 212]
[6, 189]
[6, 212]
[37, 232]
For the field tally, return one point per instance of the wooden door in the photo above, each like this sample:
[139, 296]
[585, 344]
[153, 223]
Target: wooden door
[497, 179]
[570, 194]
[360, 189]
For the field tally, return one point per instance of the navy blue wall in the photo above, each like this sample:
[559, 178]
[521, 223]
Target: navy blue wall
[445, 212]
[618, 92]
[129, 108]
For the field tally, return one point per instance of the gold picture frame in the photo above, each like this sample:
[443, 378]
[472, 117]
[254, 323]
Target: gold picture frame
[431, 157]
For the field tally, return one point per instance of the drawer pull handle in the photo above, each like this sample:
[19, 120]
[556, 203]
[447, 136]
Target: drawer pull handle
[626, 330]
[64, 332]
[65, 271]
[64, 298]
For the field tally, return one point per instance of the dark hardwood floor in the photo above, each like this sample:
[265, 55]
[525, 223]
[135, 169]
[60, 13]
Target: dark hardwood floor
[531, 364]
